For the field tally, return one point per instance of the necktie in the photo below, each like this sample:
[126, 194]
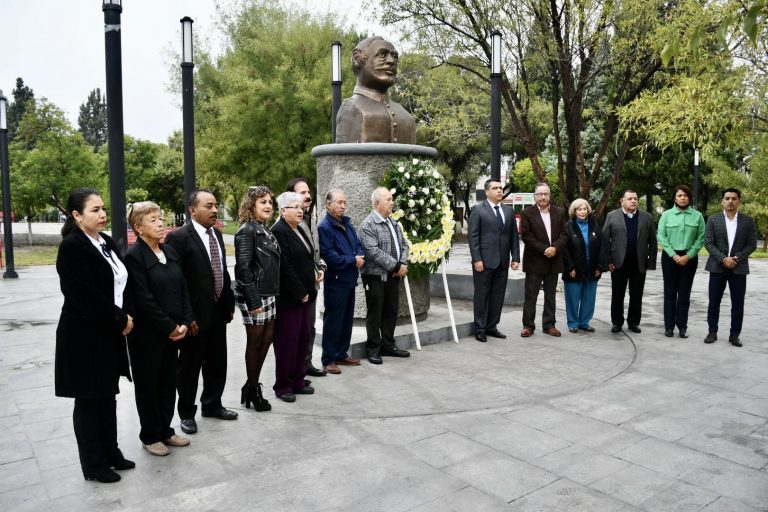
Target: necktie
[499, 220]
[218, 276]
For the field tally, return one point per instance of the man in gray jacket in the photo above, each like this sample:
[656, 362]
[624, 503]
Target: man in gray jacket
[730, 238]
[386, 255]
[632, 248]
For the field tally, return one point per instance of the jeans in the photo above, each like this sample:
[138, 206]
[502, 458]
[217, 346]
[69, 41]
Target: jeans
[580, 303]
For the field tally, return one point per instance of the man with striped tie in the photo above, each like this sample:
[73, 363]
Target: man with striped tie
[203, 258]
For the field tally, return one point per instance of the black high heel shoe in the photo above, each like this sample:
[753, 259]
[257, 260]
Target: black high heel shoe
[245, 398]
[259, 402]
[105, 476]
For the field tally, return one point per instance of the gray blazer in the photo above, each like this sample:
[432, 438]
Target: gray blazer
[716, 242]
[376, 239]
[615, 232]
[487, 243]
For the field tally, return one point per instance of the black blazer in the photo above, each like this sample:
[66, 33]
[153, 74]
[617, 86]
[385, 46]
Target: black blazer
[199, 275]
[489, 244]
[90, 352]
[297, 267]
[575, 253]
[160, 300]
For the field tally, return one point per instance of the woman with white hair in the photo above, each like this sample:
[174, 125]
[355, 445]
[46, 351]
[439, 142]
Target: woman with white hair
[293, 325]
[585, 259]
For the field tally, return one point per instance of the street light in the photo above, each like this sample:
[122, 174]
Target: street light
[7, 224]
[335, 85]
[496, 106]
[115, 143]
[188, 109]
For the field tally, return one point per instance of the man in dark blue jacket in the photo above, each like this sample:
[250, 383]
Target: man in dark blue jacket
[343, 255]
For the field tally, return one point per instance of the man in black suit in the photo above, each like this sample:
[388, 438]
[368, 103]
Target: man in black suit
[632, 248]
[200, 247]
[493, 241]
[730, 238]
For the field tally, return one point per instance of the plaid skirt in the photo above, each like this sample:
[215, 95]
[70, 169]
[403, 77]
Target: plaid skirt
[268, 313]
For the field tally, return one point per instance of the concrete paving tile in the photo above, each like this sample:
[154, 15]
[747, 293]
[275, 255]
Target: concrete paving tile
[31, 498]
[565, 495]
[523, 442]
[36, 374]
[8, 406]
[44, 407]
[541, 416]
[446, 449]
[502, 476]
[596, 434]
[401, 431]
[633, 484]
[581, 464]
[51, 429]
[735, 481]
[15, 447]
[471, 423]
[723, 504]
[747, 450]
[465, 499]
[11, 425]
[667, 458]
[54, 453]
[679, 497]
[15, 475]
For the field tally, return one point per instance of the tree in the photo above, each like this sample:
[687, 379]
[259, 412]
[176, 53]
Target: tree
[264, 104]
[22, 95]
[92, 121]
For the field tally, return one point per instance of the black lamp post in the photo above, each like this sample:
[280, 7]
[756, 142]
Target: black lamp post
[496, 106]
[114, 67]
[7, 224]
[695, 178]
[188, 107]
[335, 85]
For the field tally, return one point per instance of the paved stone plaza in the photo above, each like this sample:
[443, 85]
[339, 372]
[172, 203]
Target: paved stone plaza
[598, 422]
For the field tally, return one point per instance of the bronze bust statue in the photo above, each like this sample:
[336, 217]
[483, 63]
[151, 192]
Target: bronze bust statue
[369, 115]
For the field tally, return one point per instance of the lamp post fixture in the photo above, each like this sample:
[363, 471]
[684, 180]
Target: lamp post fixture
[188, 110]
[10, 272]
[335, 85]
[114, 68]
[496, 106]
[695, 178]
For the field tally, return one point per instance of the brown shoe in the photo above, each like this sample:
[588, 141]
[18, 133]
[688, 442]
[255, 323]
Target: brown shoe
[527, 332]
[332, 368]
[349, 361]
[552, 331]
[176, 440]
[157, 448]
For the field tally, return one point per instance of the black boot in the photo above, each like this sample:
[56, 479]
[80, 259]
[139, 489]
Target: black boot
[259, 402]
[245, 398]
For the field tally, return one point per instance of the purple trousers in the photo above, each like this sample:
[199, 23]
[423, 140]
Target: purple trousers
[293, 327]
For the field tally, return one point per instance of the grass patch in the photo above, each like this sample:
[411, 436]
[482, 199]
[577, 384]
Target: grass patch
[230, 228]
[32, 255]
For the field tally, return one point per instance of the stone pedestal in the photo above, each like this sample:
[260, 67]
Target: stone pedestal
[357, 168]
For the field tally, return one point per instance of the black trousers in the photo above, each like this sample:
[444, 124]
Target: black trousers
[678, 282]
[311, 344]
[628, 274]
[382, 299]
[737, 284]
[490, 286]
[206, 352]
[533, 283]
[154, 378]
[95, 423]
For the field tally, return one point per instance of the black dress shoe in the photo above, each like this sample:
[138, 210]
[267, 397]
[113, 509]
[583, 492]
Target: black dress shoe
[481, 337]
[287, 397]
[316, 372]
[222, 414]
[683, 333]
[189, 426]
[669, 333]
[635, 328]
[496, 334]
[374, 359]
[588, 328]
[306, 390]
[105, 476]
[395, 352]
[122, 464]
[735, 341]
[711, 338]
[615, 329]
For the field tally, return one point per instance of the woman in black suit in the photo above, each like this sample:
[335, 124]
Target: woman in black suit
[297, 291]
[90, 338]
[163, 313]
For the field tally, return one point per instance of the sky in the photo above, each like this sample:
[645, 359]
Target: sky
[57, 48]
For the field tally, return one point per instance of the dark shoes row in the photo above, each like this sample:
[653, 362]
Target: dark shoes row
[634, 328]
[733, 340]
[107, 475]
[483, 336]
[189, 425]
[375, 357]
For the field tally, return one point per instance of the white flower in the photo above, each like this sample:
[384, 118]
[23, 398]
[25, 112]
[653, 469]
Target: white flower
[435, 174]
[421, 173]
[401, 169]
[432, 201]
[393, 191]
[411, 203]
[425, 191]
[412, 190]
[413, 232]
[429, 210]
[429, 227]
[415, 161]
[407, 175]
[421, 202]
[412, 217]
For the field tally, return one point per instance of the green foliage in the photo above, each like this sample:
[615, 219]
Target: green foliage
[92, 121]
[265, 103]
[22, 94]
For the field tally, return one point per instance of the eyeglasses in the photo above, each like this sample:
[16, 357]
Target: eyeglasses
[293, 207]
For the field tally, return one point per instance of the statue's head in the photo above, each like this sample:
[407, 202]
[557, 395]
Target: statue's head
[374, 61]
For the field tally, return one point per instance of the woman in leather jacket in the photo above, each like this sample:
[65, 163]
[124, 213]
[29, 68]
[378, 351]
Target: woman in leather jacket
[257, 275]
